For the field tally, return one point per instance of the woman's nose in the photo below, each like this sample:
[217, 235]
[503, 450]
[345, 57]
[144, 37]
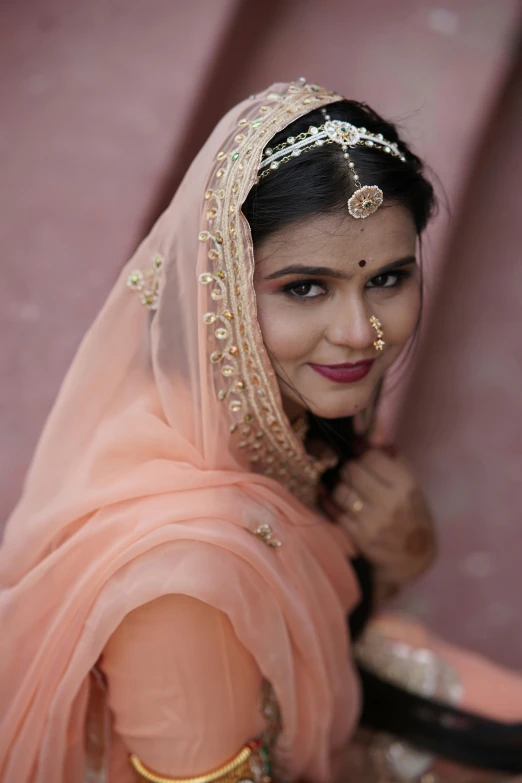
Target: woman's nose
[350, 325]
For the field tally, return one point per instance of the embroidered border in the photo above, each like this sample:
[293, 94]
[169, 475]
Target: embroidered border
[243, 375]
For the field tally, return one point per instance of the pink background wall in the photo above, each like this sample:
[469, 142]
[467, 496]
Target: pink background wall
[461, 424]
[107, 101]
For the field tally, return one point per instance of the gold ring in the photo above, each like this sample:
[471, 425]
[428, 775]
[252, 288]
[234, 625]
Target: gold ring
[357, 505]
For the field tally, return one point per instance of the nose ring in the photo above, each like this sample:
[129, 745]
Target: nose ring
[379, 343]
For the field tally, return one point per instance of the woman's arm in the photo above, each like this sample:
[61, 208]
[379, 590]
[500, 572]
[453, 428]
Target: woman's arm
[183, 690]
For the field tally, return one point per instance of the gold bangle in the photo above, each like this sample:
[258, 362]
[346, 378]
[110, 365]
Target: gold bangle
[231, 766]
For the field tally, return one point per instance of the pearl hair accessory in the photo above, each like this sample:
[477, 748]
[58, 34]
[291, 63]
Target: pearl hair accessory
[367, 198]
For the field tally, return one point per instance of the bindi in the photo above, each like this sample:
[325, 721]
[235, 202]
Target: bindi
[362, 263]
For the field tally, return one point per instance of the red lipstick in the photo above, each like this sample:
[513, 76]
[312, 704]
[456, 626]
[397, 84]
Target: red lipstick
[344, 373]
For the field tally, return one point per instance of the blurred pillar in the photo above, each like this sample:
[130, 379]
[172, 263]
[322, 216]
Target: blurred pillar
[99, 98]
[462, 422]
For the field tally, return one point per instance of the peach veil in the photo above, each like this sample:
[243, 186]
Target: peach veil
[166, 449]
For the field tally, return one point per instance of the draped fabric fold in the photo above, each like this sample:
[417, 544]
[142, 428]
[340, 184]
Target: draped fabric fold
[166, 449]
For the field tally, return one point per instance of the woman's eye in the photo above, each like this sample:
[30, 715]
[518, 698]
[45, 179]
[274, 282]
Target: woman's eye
[387, 281]
[304, 289]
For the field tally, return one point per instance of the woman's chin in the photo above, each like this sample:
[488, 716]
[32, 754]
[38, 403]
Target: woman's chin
[332, 401]
[346, 405]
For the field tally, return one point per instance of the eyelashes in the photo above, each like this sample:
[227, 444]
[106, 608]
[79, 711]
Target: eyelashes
[314, 288]
[398, 274]
[302, 289]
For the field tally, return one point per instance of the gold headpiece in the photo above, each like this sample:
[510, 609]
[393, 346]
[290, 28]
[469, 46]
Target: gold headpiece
[367, 198]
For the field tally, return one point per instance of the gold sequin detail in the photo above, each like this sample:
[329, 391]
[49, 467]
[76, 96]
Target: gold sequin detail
[147, 283]
[265, 533]
[245, 378]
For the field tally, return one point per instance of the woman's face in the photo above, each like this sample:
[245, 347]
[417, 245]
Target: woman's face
[317, 285]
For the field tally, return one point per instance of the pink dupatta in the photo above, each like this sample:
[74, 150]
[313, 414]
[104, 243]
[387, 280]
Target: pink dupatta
[168, 437]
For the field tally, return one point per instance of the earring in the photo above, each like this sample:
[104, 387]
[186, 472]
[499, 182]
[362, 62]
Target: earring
[379, 343]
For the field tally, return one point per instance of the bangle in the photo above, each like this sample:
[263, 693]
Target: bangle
[235, 770]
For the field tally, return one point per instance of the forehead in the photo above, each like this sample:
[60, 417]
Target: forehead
[383, 237]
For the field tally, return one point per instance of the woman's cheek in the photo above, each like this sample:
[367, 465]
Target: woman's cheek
[400, 318]
[288, 331]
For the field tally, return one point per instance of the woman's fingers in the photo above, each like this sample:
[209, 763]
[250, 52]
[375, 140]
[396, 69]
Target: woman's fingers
[376, 468]
[352, 526]
[390, 470]
[348, 499]
[332, 509]
[369, 485]
[386, 515]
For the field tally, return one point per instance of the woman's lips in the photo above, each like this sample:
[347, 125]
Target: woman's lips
[344, 373]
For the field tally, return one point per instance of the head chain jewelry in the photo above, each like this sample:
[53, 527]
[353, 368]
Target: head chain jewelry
[367, 198]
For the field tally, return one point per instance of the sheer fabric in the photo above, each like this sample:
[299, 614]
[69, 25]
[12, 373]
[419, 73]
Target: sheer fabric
[140, 488]
[171, 724]
[166, 450]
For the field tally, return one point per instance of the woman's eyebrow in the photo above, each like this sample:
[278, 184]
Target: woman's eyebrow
[326, 271]
[394, 265]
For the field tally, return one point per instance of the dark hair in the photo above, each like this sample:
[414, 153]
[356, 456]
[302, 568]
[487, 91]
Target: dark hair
[319, 182]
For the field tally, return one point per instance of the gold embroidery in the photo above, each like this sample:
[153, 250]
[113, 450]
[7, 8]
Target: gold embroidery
[147, 283]
[417, 670]
[242, 373]
[264, 532]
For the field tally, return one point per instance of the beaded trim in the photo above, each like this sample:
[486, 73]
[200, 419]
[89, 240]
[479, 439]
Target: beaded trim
[417, 670]
[265, 533]
[333, 131]
[367, 198]
[147, 283]
[243, 376]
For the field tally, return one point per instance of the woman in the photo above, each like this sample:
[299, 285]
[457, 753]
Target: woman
[175, 592]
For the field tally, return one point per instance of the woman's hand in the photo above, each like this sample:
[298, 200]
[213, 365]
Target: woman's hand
[386, 513]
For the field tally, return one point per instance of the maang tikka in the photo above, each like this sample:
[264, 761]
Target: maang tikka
[367, 198]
